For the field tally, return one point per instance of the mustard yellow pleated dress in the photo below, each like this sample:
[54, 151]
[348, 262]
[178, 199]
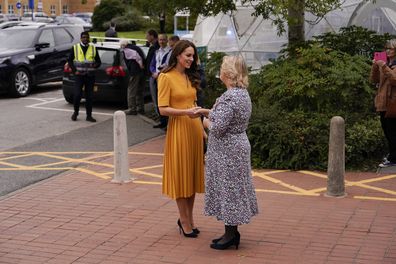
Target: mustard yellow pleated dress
[183, 171]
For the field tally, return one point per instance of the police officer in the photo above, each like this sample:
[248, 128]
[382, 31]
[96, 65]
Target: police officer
[83, 61]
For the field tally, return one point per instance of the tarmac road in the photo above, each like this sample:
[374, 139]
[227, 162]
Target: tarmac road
[41, 123]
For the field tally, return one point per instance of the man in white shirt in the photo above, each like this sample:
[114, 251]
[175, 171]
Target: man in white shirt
[157, 64]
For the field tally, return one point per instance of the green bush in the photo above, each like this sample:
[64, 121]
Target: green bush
[354, 40]
[294, 99]
[301, 94]
[130, 21]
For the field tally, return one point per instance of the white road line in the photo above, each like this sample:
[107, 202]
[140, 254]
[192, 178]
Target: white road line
[38, 99]
[68, 110]
[46, 102]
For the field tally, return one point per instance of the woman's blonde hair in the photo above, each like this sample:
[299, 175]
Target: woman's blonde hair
[235, 70]
[391, 43]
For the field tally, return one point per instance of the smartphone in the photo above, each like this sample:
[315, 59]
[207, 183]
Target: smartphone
[380, 56]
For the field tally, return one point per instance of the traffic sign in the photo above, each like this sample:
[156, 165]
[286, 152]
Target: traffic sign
[18, 5]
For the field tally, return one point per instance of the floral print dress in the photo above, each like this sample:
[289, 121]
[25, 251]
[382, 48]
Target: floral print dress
[230, 194]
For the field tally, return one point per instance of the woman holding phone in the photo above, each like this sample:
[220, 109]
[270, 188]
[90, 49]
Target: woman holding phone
[383, 74]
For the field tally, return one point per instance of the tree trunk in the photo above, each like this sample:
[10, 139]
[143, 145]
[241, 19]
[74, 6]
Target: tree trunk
[295, 21]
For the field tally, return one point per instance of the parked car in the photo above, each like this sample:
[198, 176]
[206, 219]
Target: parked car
[12, 17]
[34, 55]
[73, 20]
[9, 24]
[3, 18]
[37, 16]
[87, 16]
[111, 78]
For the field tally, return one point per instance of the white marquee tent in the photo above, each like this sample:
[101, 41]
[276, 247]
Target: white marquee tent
[257, 39]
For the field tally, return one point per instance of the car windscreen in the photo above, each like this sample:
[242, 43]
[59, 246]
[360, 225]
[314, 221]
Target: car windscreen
[108, 57]
[75, 20]
[17, 38]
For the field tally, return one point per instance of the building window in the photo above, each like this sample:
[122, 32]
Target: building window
[53, 10]
[65, 9]
[25, 8]
[10, 9]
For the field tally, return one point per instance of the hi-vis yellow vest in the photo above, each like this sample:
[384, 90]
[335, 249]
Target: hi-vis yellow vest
[84, 63]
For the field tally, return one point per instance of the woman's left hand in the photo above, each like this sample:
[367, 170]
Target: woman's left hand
[380, 63]
[206, 122]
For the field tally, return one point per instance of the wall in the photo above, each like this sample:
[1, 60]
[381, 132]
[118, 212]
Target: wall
[73, 5]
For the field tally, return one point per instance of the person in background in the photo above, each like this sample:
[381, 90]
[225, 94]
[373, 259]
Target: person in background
[183, 171]
[158, 62]
[171, 43]
[83, 61]
[111, 32]
[229, 190]
[162, 22]
[134, 58]
[383, 73]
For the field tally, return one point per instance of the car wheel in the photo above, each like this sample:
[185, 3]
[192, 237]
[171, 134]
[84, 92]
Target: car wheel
[21, 83]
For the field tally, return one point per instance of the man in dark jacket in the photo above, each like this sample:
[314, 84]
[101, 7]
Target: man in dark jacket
[134, 59]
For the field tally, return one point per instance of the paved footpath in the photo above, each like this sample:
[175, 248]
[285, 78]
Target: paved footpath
[81, 217]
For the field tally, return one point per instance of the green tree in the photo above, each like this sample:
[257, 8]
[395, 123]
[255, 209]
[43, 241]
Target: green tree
[106, 11]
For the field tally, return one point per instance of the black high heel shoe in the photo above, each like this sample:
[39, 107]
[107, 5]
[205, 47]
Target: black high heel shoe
[192, 234]
[234, 241]
[196, 231]
[217, 239]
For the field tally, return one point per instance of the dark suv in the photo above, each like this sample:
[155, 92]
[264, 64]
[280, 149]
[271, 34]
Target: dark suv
[31, 55]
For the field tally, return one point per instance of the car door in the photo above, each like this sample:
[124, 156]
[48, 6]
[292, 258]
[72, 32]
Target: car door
[63, 44]
[44, 68]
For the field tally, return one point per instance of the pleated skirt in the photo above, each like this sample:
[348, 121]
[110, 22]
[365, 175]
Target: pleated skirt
[183, 171]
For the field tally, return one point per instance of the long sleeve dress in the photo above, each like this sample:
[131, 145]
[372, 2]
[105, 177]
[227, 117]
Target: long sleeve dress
[229, 190]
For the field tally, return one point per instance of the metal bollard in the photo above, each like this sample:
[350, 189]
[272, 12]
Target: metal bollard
[336, 161]
[121, 163]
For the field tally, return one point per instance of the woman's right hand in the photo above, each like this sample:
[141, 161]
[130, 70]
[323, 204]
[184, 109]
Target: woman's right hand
[203, 112]
[192, 112]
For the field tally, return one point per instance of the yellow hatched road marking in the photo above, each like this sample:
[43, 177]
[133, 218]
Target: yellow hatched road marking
[35, 169]
[100, 175]
[323, 176]
[12, 165]
[138, 171]
[16, 157]
[67, 161]
[372, 187]
[289, 186]
[76, 160]
[375, 198]
[148, 182]
[378, 179]
[286, 192]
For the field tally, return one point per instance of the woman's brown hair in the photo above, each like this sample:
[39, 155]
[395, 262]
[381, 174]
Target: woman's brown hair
[192, 72]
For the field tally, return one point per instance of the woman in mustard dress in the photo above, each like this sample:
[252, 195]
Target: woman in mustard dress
[183, 173]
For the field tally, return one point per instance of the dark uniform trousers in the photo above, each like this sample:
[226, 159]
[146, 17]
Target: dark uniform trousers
[87, 81]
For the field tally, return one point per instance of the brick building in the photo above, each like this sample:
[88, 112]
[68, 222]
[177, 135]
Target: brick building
[51, 7]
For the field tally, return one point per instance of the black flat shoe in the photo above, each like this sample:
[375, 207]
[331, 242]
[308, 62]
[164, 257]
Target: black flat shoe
[90, 119]
[192, 234]
[234, 241]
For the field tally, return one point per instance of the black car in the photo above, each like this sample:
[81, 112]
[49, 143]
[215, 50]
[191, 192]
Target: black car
[31, 55]
[111, 78]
